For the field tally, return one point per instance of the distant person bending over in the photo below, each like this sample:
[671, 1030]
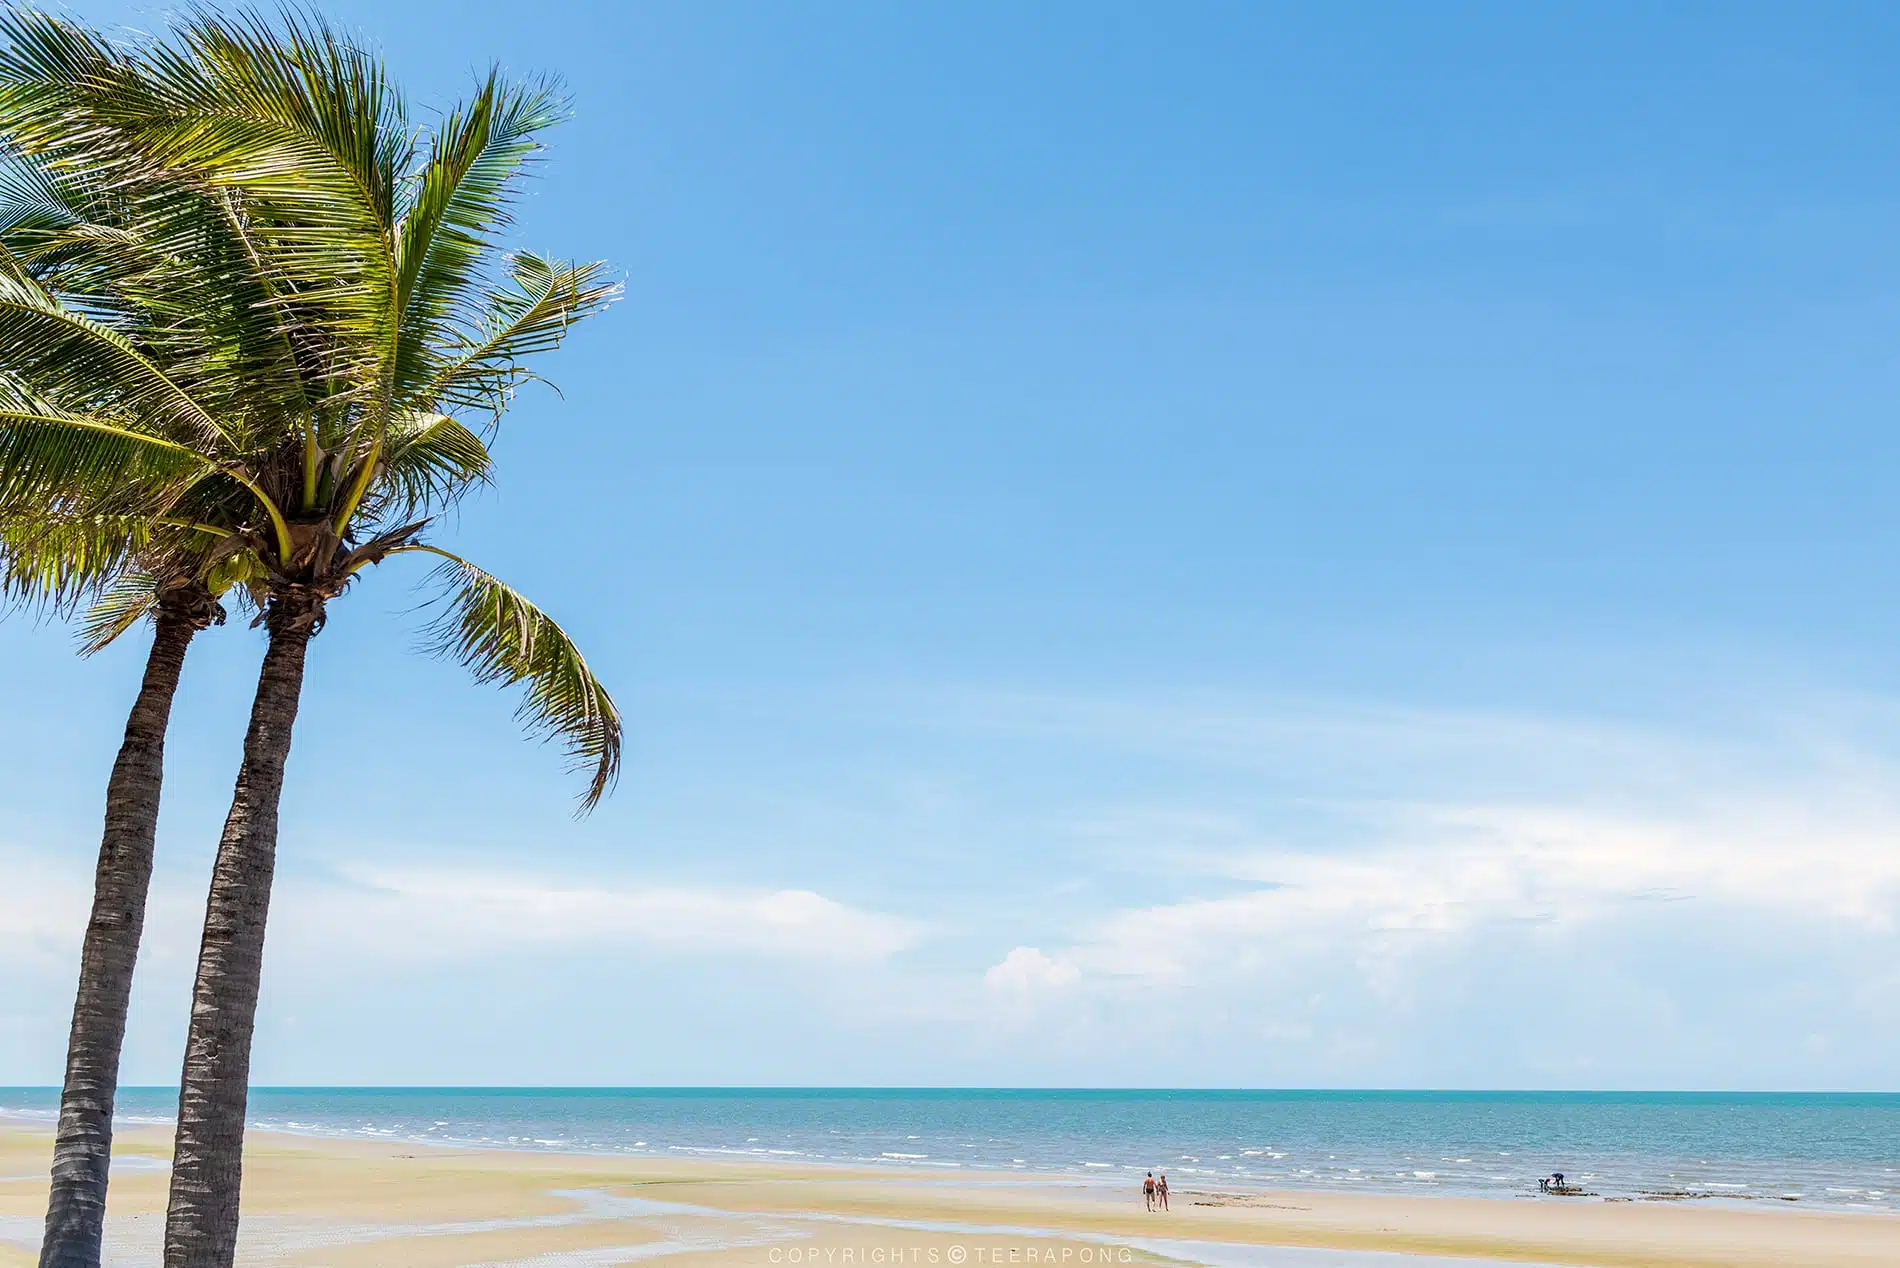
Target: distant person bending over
[1148, 1191]
[1161, 1191]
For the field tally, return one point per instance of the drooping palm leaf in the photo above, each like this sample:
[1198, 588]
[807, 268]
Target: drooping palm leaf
[499, 636]
[66, 356]
[165, 265]
[55, 561]
[127, 601]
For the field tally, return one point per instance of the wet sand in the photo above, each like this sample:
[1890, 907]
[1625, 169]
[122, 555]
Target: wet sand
[319, 1203]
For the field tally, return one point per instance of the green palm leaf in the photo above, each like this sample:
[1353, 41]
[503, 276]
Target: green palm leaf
[55, 561]
[499, 636]
[123, 604]
[295, 119]
[460, 199]
[530, 317]
[47, 456]
[57, 353]
[432, 461]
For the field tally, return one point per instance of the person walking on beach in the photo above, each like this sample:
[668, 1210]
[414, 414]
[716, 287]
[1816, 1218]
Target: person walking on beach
[1161, 1191]
[1148, 1191]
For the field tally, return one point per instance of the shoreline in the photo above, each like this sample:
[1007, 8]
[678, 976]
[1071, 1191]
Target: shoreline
[1237, 1192]
[324, 1202]
[1113, 1178]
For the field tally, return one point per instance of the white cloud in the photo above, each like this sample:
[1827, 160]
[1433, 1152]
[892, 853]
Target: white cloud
[1027, 969]
[1750, 945]
[1447, 873]
[429, 913]
[424, 914]
[1379, 899]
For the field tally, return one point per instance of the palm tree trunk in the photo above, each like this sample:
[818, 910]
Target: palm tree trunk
[82, 1151]
[208, 1162]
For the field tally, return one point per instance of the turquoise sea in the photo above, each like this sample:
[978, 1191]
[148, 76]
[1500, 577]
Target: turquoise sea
[1816, 1149]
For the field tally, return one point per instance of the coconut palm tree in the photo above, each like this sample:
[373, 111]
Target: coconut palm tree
[378, 314]
[131, 253]
[180, 607]
[59, 553]
[45, 563]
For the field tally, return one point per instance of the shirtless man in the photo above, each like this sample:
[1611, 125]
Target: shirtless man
[1161, 1191]
[1148, 1191]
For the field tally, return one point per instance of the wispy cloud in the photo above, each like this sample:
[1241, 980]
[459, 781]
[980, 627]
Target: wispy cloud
[1333, 749]
[433, 913]
[1390, 895]
[1451, 871]
[410, 914]
[42, 908]
[1273, 894]
[1526, 946]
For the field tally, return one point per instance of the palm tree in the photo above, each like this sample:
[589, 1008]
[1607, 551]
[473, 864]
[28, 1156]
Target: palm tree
[43, 563]
[375, 307]
[82, 1151]
[57, 553]
[68, 247]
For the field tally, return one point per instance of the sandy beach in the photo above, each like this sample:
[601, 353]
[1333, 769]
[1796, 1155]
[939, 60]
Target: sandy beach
[315, 1202]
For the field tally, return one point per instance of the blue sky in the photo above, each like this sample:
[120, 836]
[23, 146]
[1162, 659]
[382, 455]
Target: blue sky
[1256, 545]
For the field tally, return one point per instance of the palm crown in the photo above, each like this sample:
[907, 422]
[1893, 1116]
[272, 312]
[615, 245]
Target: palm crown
[255, 327]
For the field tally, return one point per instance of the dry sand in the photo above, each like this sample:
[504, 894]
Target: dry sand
[347, 1204]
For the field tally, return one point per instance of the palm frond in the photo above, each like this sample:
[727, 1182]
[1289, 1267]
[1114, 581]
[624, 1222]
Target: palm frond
[66, 356]
[176, 272]
[47, 456]
[500, 637]
[48, 65]
[460, 199]
[532, 316]
[432, 461]
[307, 127]
[56, 561]
[123, 604]
[287, 113]
[30, 200]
